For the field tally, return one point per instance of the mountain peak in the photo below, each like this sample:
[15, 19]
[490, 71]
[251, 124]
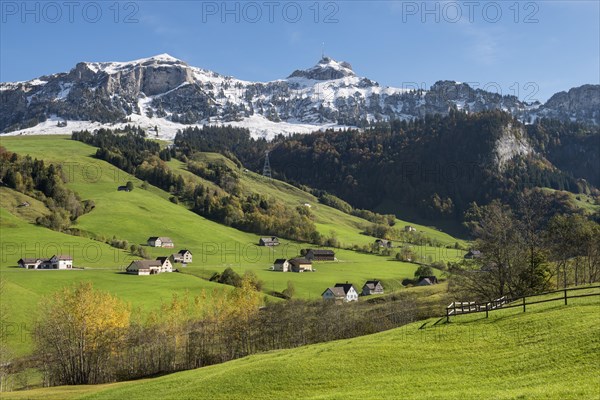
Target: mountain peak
[326, 69]
[164, 57]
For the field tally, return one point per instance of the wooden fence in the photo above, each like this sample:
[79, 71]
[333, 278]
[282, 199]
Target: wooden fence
[458, 307]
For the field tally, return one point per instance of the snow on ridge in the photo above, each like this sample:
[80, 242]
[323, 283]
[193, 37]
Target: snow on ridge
[111, 67]
[258, 125]
[14, 85]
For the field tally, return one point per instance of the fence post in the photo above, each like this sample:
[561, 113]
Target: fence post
[487, 306]
[447, 315]
[523, 303]
[565, 297]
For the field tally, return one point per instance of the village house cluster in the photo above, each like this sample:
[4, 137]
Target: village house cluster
[55, 262]
[161, 264]
[303, 263]
[346, 292]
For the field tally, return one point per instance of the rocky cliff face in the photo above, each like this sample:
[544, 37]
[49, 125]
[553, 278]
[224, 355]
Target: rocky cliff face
[512, 143]
[580, 103]
[163, 88]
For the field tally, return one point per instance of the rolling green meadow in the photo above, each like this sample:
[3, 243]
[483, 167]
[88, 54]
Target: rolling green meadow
[137, 215]
[549, 352]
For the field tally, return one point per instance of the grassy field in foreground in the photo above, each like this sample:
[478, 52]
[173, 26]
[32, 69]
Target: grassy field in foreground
[550, 352]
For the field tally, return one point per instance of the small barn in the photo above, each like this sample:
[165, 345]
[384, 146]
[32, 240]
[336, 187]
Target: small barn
[160, 241]
[319, 255]
[473, 254]
[268, 241]
[301, 265]
[384, 243]
[372, 287]
[409, 228]
[31, 263]
[281, 264]
[427, 280]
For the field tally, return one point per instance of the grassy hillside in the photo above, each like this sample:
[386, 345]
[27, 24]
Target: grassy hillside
[136, 215]
[347, 227]
[550, 352]
[588, 204]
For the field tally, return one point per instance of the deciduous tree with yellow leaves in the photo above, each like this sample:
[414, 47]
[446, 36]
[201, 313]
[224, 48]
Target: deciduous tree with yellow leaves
[79, 332]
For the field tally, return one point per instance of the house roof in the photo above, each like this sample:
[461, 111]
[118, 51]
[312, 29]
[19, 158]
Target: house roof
[162, 238]
[182, 252]
[145, 264]
[425, 281]
[162, 259]
[270, 239]
[337, 291]
[31, 260]
[62, 257]
[321, 252]
[345, 287]
[473, 253]
[280, 261]
[300, 261]
[371, 284]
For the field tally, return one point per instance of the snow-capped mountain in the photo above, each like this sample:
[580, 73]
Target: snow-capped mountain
[167, 93]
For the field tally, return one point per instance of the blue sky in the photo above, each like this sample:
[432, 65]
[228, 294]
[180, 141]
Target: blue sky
[529, 48]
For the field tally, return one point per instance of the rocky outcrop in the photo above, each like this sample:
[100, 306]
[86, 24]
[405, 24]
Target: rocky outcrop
[581, 103]
[511, 143]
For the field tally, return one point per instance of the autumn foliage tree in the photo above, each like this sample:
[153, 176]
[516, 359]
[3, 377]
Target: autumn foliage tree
[78, 333]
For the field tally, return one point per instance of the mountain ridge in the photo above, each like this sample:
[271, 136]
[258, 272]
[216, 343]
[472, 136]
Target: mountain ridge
[166, 92]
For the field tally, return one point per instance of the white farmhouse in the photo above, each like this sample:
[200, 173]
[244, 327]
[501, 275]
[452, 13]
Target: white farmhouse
[343, 292]
[55, 262]
[160, 241]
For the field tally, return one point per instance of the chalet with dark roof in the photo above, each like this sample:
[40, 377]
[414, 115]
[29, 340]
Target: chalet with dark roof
[427, 280]
[31, 263]
[165, 264]
[144, 267]
[268, 241]
[384, 243]
[372, 287]
[282, 264]
[319, 255]
[301, 265]
[473, 254]
[160, 241]
[342, 292]
[182, 256]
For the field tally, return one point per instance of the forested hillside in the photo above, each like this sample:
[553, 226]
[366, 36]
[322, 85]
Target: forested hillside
[433, 167]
